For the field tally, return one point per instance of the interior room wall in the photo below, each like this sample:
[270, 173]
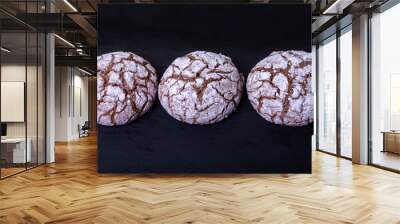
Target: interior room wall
[80, 104]
[34, 104]
[61, 103]
[16, 72]
[71, 102]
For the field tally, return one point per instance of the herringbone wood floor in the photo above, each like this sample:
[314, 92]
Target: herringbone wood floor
[71, 191]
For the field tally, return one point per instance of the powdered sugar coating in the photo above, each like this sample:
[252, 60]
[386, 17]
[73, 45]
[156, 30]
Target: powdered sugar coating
[126, 87]
[201, 88]
[279, 88]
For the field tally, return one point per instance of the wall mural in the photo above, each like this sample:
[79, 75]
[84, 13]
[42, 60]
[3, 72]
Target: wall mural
[201, 88]
[204, 120]
[280, 88]
[126, 87]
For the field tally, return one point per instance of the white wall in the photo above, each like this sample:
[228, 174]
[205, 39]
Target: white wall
[61, 103]
[33, 127]
[12, 73]
[71, 102]
[80, 110]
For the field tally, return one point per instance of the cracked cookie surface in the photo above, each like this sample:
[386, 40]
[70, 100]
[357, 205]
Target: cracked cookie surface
[201, 88]
[126, 87]
[279, 88]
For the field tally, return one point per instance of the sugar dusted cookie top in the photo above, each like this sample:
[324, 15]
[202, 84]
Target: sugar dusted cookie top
[280, 88]
[201, 88]
[126, 87]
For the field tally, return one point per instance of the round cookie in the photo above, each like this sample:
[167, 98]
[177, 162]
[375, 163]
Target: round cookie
[201, 88]
[279, 88]
[126, 87]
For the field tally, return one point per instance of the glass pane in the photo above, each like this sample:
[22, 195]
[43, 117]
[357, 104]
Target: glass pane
[41, 98]
[346, 94]
[32, 88]
[31, 98]
[13, 87]
[327, 96]
[385, 87]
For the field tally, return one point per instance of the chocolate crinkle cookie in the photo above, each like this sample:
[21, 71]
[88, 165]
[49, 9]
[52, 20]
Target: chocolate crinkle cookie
[126, 87]
[279, 88]
[201, 88]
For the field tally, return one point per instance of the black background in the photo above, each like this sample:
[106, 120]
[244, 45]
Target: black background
[242, 143]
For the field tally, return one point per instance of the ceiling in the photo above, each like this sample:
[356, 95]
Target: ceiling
[19, 54]
[75, 20]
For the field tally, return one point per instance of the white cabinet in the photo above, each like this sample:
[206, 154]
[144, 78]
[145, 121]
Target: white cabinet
[19, 155]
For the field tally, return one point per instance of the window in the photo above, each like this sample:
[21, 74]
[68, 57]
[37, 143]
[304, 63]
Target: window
[334, 99]
[345, 92]
[385, 89]
[22, 77]
[327, 96]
